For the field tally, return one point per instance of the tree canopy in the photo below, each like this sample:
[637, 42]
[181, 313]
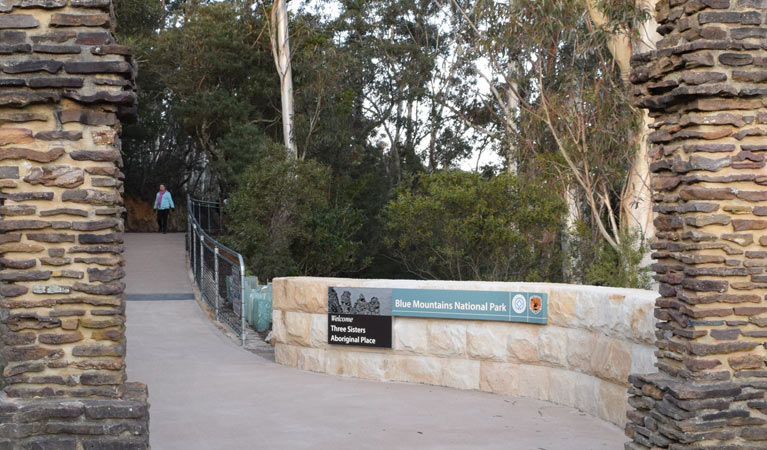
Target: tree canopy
[461, 139]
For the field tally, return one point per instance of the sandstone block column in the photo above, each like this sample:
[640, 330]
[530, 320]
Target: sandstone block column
[706, 88]
[64, 87]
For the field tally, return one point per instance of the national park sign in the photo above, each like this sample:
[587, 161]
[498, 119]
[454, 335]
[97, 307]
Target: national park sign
[363, 316]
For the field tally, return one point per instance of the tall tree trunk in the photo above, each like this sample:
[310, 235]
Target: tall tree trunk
[281, 50]
[395, 151]
[636, 204]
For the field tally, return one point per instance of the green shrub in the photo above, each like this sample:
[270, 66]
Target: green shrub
[280, 218]
[466, 226]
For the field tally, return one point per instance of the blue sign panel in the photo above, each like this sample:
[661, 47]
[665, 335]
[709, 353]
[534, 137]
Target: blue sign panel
[526, 307]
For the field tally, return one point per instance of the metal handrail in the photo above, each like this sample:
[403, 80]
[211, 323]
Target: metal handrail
[193, 226]
[195, 208]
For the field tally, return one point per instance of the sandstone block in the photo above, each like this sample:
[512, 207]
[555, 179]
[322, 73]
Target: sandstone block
[553, 346]
[410, 335]
[375, 366]
[311, 359]
[279, 332]
[523, 343]
[318, 334]
[460, 373]
[487, 340]
[534, 382]
[309, 296]
[611, 360]
[297, 326]
[643, 358]
[587, 393]
[562, 307]
[561, 383]
[338, 362]
[581, 345]
[418, 369]
[447, 338]
[612, 403]
[499, 377]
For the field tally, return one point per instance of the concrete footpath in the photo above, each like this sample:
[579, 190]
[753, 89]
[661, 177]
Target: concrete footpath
[207, 393]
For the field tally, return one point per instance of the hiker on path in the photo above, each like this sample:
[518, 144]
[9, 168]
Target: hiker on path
[163, 203]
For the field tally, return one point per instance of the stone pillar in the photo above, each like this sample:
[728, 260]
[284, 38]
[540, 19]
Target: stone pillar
[705, 86]
[64, 87]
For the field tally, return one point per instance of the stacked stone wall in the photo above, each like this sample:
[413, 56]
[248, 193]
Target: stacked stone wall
[706, 88]
[65, 85]
[582, 358]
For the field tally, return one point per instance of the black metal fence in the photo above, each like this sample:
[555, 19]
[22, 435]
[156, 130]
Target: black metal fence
[207, 215]
[219, 272]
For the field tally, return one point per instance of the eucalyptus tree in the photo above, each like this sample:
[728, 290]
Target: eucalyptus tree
[280, 40]
[543, 83]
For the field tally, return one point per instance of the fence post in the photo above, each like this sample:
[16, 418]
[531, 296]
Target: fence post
[243, 329]
[193, 251]
[215, 267]
[201, 281]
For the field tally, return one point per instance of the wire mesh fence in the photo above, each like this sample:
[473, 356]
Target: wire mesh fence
[207, 214]
[219, 272]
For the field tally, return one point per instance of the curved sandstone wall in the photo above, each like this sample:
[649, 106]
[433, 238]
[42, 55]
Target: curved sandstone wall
[595, 337]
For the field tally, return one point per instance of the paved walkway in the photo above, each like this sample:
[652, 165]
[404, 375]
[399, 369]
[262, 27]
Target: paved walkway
[207, 393]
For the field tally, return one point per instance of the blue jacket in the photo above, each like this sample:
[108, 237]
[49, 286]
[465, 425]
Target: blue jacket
[167, 201]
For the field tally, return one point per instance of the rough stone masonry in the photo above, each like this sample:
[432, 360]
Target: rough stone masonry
[65, 85]
[706, 88]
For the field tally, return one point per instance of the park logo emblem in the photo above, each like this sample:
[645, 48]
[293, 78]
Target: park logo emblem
[519, 304]
[536, 304]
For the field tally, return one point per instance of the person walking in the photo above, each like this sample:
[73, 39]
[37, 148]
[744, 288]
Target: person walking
[163, 203]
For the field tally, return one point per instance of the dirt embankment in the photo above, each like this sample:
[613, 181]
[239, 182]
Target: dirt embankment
[141, 217]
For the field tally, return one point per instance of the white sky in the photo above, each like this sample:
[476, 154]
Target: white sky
[330, 9]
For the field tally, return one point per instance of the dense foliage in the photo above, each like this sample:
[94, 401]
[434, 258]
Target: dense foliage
[392, 100]
[465, 226]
